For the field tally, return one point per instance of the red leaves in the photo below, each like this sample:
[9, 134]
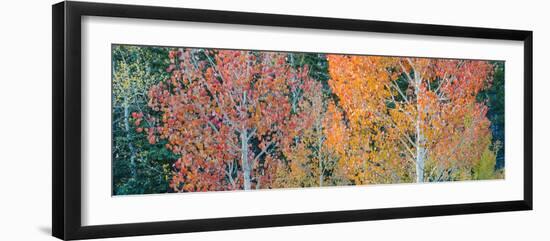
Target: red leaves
[171, 68]
[151, 139]
[137, 118]
[226, 111]
[174, 53]
[445, 120]
[212, 103]
[137, 115]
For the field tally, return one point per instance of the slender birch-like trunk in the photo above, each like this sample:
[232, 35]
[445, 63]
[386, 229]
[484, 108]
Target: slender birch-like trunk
[133, 171]
[321, 168]
[420, 150]
[419, 153]
[244, 159]
[318, 130]
[244, 151]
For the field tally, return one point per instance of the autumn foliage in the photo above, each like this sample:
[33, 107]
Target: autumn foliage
[410, 118]
[239, 119]
[228, 114]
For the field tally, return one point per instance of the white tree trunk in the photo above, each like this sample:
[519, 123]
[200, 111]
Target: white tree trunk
[320, 159]
[321, 172]
[420, 149]
[133, 171]
[419, 155]
[244, 159]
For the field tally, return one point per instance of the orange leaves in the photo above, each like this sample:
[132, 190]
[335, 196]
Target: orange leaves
[396, 106]
[335, 130]
[362, 84]
[249, 119]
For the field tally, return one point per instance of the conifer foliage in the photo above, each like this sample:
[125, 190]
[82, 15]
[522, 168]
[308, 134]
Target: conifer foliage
[193, 119]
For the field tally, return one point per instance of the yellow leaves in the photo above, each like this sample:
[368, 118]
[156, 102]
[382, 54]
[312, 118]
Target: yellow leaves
[390, 103]
[336, 132]
[361, 83]
[366, 127]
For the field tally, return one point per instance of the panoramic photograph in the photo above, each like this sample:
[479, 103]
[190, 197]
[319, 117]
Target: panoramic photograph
[188, 119]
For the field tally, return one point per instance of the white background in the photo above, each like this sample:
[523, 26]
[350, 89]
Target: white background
[25, 139]
[100, 208]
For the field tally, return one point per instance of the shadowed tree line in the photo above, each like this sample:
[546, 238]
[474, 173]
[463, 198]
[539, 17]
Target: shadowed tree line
[191, 119]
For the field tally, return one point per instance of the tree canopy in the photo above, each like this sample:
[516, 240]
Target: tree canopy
[194, 119]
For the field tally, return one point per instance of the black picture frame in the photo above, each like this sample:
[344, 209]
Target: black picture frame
[66, 128]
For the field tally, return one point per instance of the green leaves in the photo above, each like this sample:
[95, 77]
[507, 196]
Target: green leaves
[138, 167]
[192, 119]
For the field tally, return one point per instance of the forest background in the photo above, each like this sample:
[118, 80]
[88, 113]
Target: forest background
[325, 139]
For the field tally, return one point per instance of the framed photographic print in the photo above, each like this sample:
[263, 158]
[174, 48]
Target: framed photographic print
[170, 120]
